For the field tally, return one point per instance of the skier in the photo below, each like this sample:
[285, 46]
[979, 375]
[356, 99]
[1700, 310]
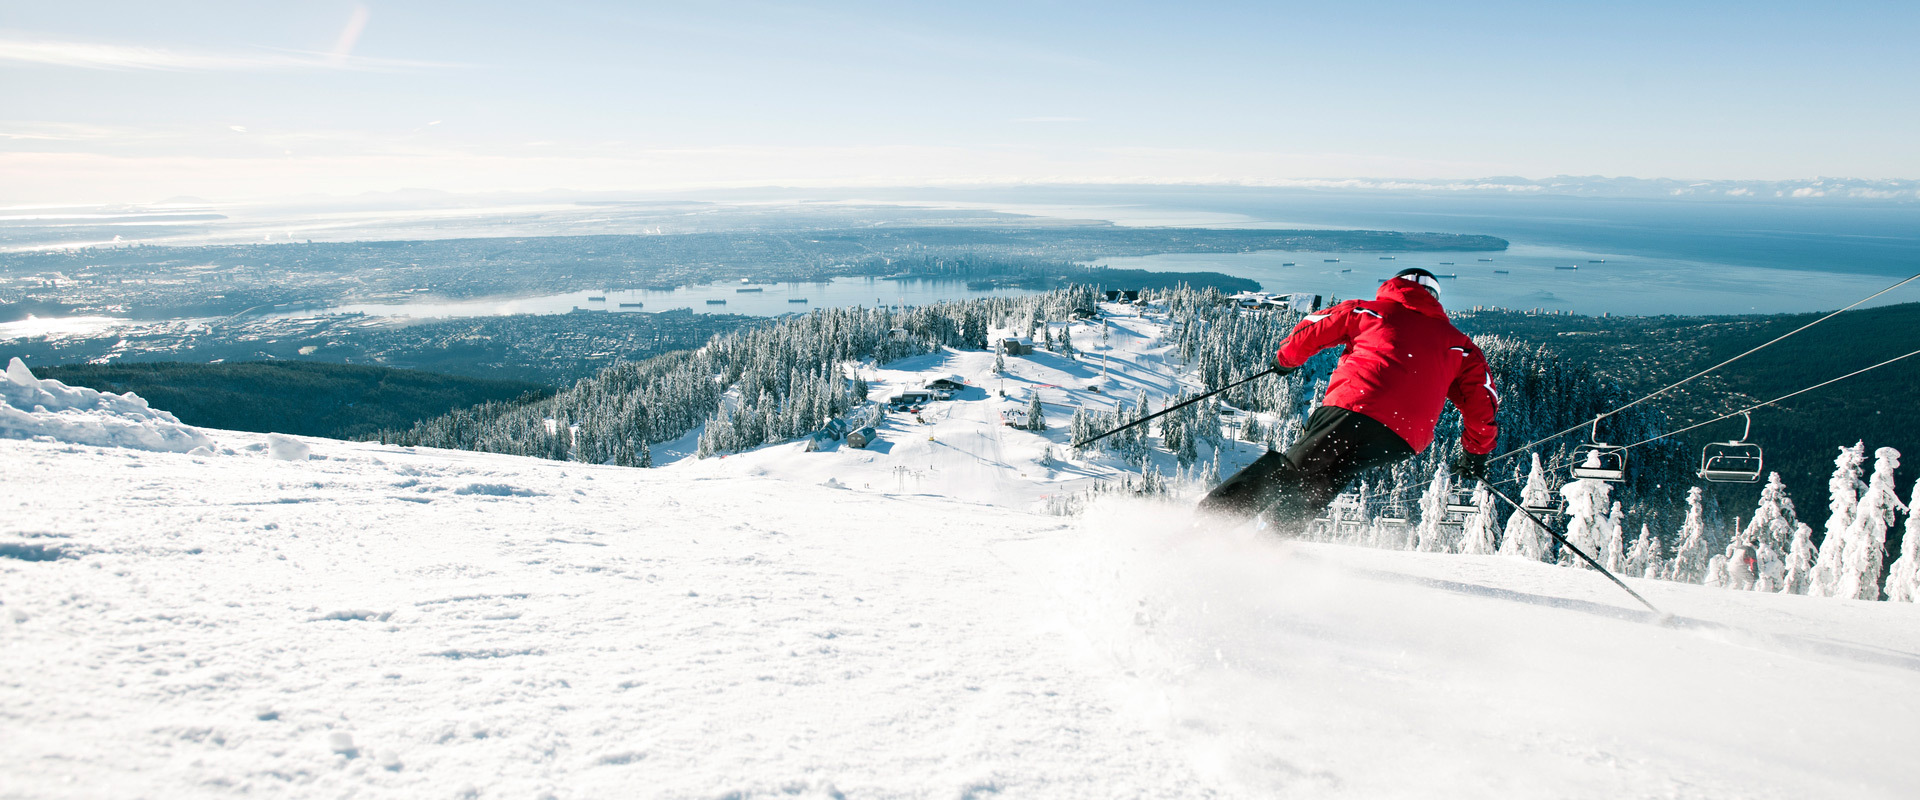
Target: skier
[1742, 565]
[1403, 361]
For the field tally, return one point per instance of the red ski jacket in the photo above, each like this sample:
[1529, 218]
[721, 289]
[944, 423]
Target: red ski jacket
[1404, 360]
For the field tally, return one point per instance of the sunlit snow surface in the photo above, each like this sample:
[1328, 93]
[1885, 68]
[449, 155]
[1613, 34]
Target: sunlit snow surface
[182, 626]
[51, 410]
[379, 622]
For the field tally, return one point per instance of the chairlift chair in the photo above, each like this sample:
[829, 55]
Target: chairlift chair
[1460, 501]
[1737, 461]
[1550, 508]
[1339, 510]
[1599, 461]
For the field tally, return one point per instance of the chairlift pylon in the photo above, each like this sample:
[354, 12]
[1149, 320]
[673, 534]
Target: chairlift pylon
[1736, 461]
[1599, 461]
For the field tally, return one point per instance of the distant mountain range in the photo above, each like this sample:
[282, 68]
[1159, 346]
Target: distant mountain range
[1808, 189]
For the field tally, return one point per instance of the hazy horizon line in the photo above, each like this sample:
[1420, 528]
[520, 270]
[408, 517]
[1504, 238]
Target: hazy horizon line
[1794, 189]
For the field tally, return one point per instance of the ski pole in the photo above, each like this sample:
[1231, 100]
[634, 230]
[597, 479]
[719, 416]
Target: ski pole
[1172, 408]
[1576, 551]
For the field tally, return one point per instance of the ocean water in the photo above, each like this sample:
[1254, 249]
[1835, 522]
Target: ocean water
[1630, 256]
[1528, 277]
[753, 299]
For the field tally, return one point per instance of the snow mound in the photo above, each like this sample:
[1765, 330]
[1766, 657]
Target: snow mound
[287, 448]
[32, 408]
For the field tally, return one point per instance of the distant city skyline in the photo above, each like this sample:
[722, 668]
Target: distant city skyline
[129, 102]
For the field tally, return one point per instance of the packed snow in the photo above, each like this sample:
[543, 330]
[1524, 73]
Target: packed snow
[30, 407]
[902, 620]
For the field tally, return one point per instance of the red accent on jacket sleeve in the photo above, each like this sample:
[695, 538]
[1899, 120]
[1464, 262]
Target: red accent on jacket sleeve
[1317, 332]
[1472, 392]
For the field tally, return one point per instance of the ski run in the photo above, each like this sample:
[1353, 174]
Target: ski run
[267, 616]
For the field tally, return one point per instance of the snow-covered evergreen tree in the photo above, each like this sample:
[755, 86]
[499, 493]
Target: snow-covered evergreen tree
[1188, 451]
[1644, 558]
[1614, 552]
[1208, 424]
[1080, 427]
[1432, 535]
[1843, 494]
[1172, 430]
[1523, 538]
[1865, 549]
[1716, 572]
[1691, 557]
[1774, 519]
[1771, 566]
[1799, 565]
[1587, 506]
[1478, 533]
[1036, 415]
[1903, 576]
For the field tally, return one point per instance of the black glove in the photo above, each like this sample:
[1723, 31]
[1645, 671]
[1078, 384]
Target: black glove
[1281, 369]
[1471, 466]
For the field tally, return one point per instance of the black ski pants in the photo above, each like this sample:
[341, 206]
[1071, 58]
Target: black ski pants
[1292, 487]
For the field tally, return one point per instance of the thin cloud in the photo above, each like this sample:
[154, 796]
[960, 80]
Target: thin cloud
[349, 35]
[63, 132]
[1051, 119]
[100, 55]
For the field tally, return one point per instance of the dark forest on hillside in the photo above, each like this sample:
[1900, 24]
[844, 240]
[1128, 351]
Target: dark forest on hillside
[306, 398]
[1801, 435]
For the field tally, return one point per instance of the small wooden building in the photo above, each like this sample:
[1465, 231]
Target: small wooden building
[863, 437]
[911, 397]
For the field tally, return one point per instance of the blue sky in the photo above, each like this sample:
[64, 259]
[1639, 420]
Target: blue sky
[125, 101]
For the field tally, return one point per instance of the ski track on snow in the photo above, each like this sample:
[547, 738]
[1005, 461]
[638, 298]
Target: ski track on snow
[618, 635]
[308, 618]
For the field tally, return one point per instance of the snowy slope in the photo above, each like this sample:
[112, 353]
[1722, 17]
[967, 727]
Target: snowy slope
[181, 625]
[526, 628]
[963, 450]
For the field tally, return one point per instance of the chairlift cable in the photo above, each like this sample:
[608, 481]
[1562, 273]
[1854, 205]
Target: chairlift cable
[1775, 400]
[1683, 381]
[1730, 415]
[1726, 416]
